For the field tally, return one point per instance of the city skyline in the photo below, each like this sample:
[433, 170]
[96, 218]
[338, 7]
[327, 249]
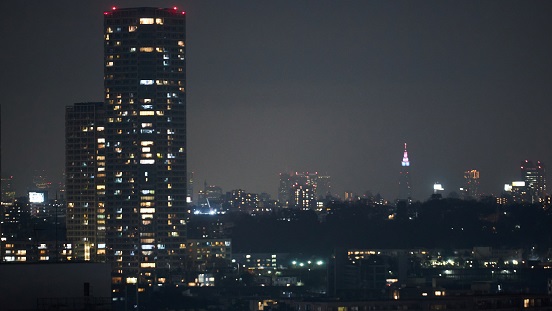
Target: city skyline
[315, 86]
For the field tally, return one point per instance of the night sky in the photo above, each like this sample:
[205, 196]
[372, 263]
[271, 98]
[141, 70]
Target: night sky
[330, 86]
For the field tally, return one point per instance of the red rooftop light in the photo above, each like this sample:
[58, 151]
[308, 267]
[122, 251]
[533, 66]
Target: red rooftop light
[114, 8]
[174, 8]
[183, 12]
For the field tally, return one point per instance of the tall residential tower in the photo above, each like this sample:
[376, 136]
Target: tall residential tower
[85, 184]
[145, 78]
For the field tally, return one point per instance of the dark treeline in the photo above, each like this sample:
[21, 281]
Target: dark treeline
[445, 223]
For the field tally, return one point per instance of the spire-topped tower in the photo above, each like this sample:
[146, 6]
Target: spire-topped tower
[405, 161]
[405, 188]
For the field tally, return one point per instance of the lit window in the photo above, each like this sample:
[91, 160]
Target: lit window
[146, 49]
[159, 21]
[146, 21]
[147, 161]
[109, 64]
[131, 280]
[146, 82]
[147, 113]
[132, 28]
[181, 43]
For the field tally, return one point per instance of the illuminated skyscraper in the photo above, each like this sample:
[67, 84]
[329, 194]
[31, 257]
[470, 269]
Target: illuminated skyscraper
[405, 188]
[534, 176]
[146, 182]
[303, 197]
[85, 184]
[471, 186]
[287, 195]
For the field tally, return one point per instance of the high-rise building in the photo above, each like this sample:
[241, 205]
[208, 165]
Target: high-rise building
[8, 192]
[471, 184]
[85, 184]
[303, 197]
[284, 189]
[405, 187]
[323, 187]
[287, 195]
[534, 176]
[146, 181]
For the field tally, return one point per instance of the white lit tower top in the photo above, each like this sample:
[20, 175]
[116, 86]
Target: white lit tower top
[405, 188]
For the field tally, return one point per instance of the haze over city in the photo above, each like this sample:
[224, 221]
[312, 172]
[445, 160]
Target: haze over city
[327, 86]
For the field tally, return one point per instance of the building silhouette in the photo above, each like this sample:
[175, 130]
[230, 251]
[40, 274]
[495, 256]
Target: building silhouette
[85, 185]
[323, 187]
[471, 184]
[284, 189]
[146, 181]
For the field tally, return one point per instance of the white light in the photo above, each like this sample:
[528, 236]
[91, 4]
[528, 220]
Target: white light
[146, 82]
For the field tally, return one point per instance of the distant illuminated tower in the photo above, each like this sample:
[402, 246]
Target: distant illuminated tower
[471, 188]
[405, 188]
[534, 176]
[323, 186]
[303, 197]
[284, 189]
[8, 193]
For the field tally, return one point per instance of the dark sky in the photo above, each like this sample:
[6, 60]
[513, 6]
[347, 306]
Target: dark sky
[327, 86]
